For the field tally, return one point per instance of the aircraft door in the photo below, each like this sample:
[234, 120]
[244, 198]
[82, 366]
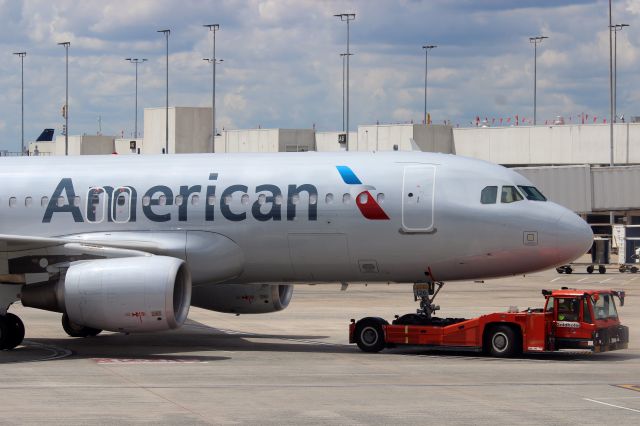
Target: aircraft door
[418, 189]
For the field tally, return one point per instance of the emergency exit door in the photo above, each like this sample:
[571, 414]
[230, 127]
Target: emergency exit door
[418, 189]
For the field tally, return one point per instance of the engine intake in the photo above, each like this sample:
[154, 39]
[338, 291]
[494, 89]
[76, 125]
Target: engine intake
[135, 294]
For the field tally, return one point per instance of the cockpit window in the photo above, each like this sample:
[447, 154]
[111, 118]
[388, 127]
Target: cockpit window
[532, 193]
[489, 195]
[510, 195]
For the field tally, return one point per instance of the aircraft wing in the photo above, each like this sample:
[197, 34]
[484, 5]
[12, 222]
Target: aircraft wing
[198, 248]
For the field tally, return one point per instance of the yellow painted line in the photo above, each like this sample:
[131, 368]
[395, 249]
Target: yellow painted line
[630, 387]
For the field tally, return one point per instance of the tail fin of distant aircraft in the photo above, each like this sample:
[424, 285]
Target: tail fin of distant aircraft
[45, 136]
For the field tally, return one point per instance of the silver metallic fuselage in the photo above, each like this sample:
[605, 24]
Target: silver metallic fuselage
[461, 238]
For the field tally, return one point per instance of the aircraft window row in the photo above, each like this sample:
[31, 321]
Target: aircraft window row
[123, 198]
[510, 194]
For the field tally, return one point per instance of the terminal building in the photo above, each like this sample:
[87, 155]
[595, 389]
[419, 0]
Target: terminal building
[568, 162]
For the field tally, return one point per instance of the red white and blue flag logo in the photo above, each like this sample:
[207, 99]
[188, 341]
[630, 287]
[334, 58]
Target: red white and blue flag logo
[367, 204]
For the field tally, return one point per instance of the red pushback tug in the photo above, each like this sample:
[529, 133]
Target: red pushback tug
[571, 319]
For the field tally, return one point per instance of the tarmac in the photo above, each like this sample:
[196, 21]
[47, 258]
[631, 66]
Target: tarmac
[296, 366]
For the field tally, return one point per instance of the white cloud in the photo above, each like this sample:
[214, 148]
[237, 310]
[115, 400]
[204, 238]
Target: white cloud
[282, 65]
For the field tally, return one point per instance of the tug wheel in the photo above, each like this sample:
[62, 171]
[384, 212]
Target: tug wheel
[369, 334]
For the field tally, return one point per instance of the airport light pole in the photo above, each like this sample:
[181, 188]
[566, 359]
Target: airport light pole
[615, 29]
[347, 17]
[535, 41]
[66, 45]
[166, 141]
[136, 61]
[343, 55]
[22, 55]
[213, 28]
[213, 102]
[426, 48]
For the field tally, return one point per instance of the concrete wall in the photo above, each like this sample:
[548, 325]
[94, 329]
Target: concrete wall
[189, 127]
[81, 145]
[123, 146]
[432, 138]
[266, 140]
[548, 145]
[328, 141]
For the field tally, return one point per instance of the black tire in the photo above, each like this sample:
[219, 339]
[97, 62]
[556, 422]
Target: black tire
[15, 330]
[634, 269]
[560, 270]
[590, 269]
[568, 270]
[602, 269]
[5, 333]
[622, 269]
[369, 334]
[501, 341]
[77, 330]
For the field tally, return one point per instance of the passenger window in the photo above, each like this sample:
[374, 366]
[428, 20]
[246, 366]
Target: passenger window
[13, 201]
[489, 195]
[228, 199]
[380, 198]
[60, 201]
[146, 200]
[329, 198]
[211, 200]
[262, 199]
[179, 200]
[76, 201]
[295, 199]
[195, 199]
[510, 195]
[162, 200]
[44, 201]
[28, 201]
[313, 199]
[346, 198]
[278, 199]
[244, 199]
[532, 193]
[363, 198]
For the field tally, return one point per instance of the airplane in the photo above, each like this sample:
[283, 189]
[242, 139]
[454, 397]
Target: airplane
[129, 243]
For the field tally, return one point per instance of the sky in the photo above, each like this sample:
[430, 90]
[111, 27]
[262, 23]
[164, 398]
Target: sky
[282, 64]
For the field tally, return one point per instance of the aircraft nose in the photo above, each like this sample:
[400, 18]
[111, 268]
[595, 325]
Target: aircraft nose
[573, 235]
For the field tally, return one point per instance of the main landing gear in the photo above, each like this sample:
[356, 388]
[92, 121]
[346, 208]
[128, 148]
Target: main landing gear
[11, 331]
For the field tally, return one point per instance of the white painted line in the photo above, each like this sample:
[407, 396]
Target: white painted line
[611, 405]
[604, 281]
[582, 279]
[556, 279]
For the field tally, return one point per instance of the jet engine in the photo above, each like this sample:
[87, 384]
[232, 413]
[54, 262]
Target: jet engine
[243, 298]
[134, 294]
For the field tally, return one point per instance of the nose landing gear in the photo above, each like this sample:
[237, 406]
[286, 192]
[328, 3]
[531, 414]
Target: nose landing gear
[11, 331]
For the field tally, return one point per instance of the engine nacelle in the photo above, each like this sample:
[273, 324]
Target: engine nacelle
[135, 294]
[243, 298]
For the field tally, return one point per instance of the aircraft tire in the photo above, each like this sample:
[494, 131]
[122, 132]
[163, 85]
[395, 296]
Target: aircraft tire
[369, 334]
[77, 330]
[501, 341]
